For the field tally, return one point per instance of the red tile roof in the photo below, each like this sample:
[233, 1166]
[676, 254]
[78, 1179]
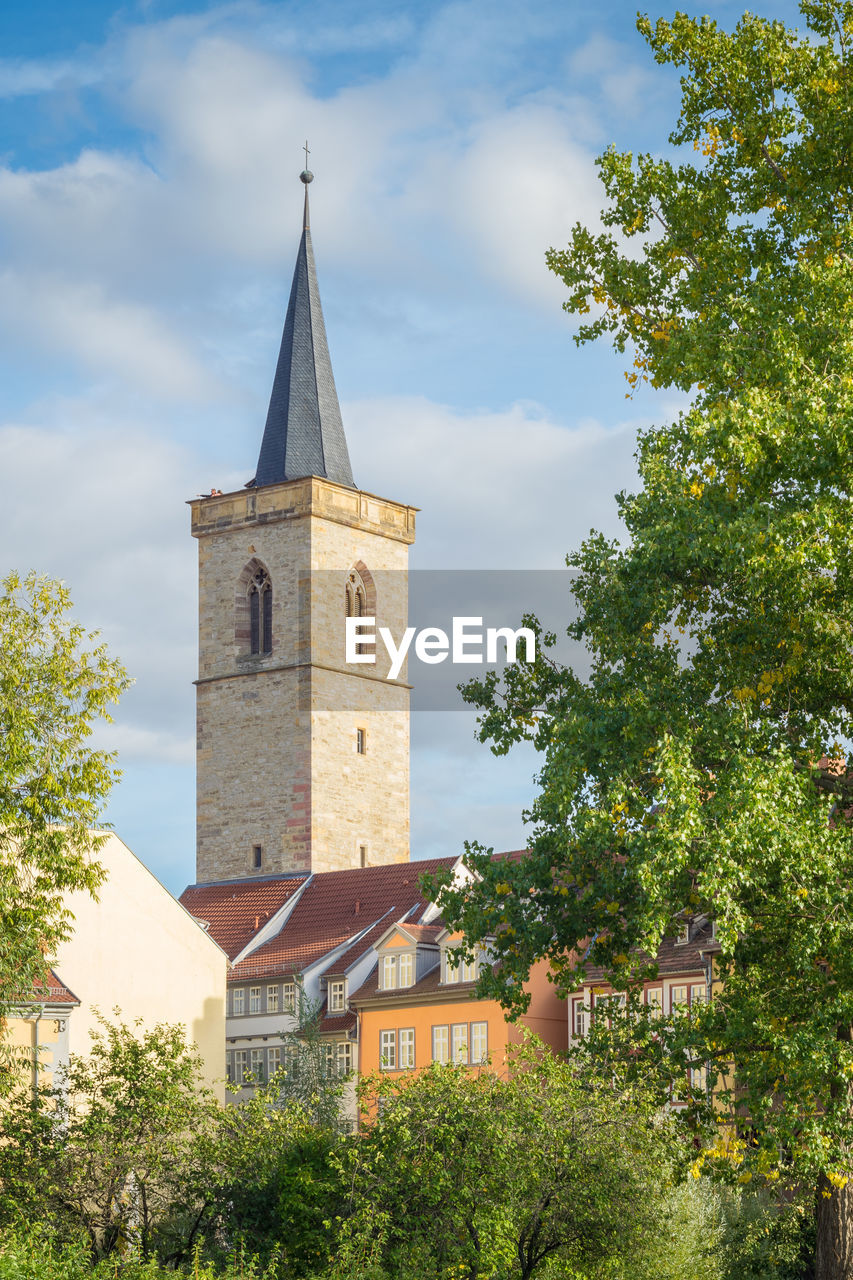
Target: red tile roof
[429, 985]
[364, 943]
[54, 993]
[337, 1022]
[236, 910]
[673, 957]
[422, 932]
[335, 907]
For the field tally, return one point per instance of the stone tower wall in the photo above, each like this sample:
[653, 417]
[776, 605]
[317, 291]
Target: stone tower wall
[278, 765]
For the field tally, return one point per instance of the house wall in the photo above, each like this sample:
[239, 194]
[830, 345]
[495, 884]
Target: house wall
[423, 1017]
[138, 949]
[42, 1033]
[546, 1015]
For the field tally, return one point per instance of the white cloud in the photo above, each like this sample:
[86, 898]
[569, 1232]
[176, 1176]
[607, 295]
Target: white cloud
[110, 337]
[104, 511]
[20, 77]
[508, 489]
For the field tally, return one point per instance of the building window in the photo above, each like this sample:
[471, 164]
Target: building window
[257, 856]
[677, 998]
[260, 613]
[388, 1050]
[272, 999]
[337, 997]
[479, 1042]
[257, 1064]
[459, 1042]
[241, 1065]
[580, 1014]
[654, 999]
[254, 999]
[329, 1060]
[229, 1066]
[288, 997]
[344, 1055]
[441, 1044]
[361, 741]
[274, 1060]
[397, 971]
[698, 993]
[407, 1049]
[362, 854]
[458, 970]
[237, 998]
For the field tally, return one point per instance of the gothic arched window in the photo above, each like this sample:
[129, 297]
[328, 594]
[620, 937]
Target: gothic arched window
[260, 612]
[356, 595]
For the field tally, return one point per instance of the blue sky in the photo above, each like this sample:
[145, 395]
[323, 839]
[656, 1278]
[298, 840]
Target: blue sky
[149, 217]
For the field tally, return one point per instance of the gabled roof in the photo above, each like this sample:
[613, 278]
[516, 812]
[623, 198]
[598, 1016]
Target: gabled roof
[235, 910]
[304, 433]
[424, 933]
[55, 992]
[673, 957]
[340, 907]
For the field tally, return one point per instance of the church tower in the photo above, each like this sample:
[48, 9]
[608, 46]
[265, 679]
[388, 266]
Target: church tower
[302, 760]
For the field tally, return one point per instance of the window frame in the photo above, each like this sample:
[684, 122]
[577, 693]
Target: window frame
[409, 1046]
[336, 995]
[388, 1039]
[389, 965]
[456, 1057]
[272, 998]
[478, 1057]
[238, 1002]
[255, 999]
[440, 1032]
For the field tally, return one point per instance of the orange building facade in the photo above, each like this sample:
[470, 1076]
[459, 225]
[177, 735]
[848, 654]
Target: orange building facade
[419, 1005]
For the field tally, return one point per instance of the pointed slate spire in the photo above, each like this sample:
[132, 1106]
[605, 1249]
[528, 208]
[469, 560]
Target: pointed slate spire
[304, 434]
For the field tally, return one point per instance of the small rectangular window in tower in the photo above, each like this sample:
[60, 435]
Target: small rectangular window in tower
[361, 741]
[257, 856]
[362, 854]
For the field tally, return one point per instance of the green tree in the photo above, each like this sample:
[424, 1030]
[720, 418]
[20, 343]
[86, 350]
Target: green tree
[474, 1175]
[53, 690]
[118, 1148]
[307, 1080]
[700, 765]
[277, 1182]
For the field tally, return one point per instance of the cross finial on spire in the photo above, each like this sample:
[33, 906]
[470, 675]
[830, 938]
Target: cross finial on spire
[306, 176]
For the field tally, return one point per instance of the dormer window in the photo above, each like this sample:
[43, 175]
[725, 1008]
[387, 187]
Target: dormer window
[338, 996]
[455, 969]
[397, 971]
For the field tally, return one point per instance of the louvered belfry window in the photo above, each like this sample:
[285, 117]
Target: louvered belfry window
[260, 613]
